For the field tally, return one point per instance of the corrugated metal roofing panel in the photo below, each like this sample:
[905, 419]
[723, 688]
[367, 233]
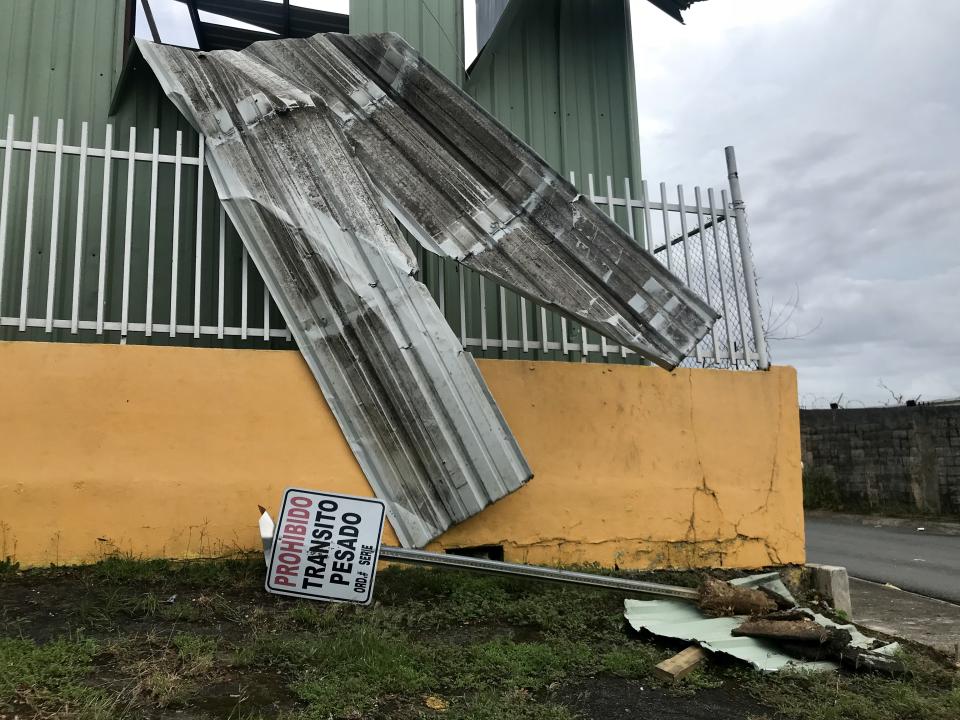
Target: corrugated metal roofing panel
[411, 403]
[469, 189]
[683, 621]
[560, 76]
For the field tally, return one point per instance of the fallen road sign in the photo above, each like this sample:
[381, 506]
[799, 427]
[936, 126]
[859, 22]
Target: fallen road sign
[498, 567]
[325, 547]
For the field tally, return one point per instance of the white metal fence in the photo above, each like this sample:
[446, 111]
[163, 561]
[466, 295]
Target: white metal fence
[107, 242]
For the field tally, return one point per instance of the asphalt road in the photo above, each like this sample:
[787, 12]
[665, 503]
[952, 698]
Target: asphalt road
[922, 562]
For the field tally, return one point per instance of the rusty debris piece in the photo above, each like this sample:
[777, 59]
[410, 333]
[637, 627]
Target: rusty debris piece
[721, 599]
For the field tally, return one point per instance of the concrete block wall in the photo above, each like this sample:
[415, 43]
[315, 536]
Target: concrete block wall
[886, 459]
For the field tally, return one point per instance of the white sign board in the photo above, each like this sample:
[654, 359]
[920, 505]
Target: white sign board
[325, 546]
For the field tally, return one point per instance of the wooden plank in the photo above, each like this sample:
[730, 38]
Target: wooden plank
[683, 663]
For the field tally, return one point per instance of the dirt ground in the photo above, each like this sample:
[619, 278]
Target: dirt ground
[158, 639]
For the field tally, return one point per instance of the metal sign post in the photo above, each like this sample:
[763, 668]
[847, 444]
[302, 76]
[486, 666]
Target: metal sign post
[271, 536]
[325, 547]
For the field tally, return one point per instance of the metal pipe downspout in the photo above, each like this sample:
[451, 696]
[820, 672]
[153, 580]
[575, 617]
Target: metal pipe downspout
[746, 258]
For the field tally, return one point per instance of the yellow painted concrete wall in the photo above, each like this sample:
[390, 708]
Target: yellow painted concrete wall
[167, 451]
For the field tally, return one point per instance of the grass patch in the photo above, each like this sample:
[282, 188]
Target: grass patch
[119, 570]
[351, 672]
[927, 695]
[633, 660]
[52, 678]
[434, 644]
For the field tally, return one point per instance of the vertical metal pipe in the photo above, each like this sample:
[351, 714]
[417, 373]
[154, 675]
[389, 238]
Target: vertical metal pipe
[221, 271]
[733, 276]
[594, 199]
[667, 235]
[244, 291]
[686, 250]
[746, 258]
[647, 225]
[702, 232]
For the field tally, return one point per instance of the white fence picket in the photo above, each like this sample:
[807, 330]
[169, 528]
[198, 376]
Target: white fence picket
[718, 267]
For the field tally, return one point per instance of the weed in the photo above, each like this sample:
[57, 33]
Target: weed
[170, 672]
[196, 651]
[124, 570]
[8, 567]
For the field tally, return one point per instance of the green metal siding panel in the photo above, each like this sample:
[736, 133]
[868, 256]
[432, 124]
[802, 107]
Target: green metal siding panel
[61, 59]
[434, 27]
[559, 74]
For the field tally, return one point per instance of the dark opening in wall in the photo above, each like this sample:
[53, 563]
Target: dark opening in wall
[488, 552]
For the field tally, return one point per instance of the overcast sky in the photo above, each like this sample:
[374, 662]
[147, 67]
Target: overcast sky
[846, 119]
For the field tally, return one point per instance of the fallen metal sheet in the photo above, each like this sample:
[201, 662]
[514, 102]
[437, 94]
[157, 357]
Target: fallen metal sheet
[412, 404]
[683, 621]
[466, 187]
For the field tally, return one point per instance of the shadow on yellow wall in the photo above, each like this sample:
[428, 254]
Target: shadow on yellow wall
[167, 452]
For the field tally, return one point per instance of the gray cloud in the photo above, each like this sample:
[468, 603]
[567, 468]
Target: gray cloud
[846, 119]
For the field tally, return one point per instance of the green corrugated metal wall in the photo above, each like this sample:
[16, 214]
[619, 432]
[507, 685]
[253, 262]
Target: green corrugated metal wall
[434, 27]
[63, 60]
[58, 63]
